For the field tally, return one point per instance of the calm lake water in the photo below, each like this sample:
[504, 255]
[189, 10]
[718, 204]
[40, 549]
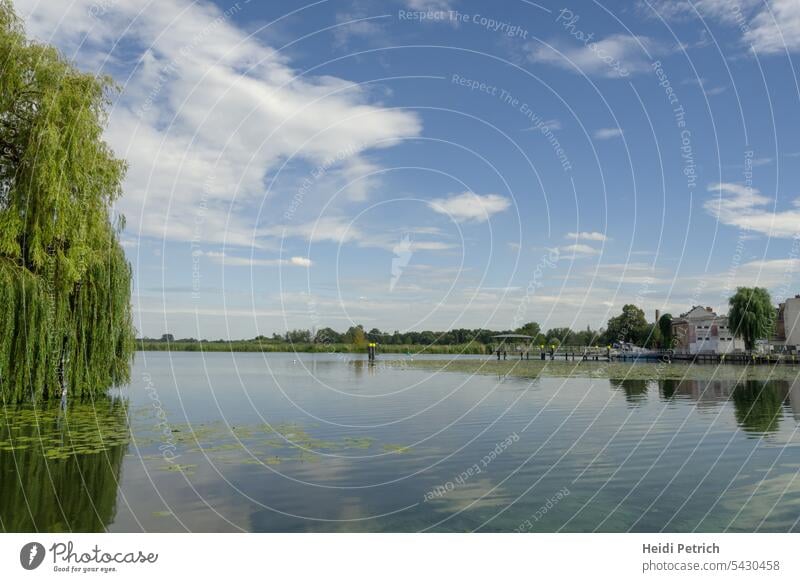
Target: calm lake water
[311, 442]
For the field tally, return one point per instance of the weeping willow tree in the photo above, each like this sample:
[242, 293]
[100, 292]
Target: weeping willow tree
[751, 315]
[65, 316]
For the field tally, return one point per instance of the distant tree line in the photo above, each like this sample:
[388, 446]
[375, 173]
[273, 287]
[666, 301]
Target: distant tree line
[752, 317]
[358, 335]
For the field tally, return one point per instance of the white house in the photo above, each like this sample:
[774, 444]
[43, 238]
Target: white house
[787, 328]
[701, 331]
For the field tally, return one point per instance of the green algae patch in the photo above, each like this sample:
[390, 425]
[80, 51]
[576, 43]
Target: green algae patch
[264, 444]
[187, 469]
[56, 434]
[95, 429]
[358, 442]
[398, 449]
[607, 370]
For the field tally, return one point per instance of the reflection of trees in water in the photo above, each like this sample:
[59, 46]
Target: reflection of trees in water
[60, 471]
[703, 392]
[635, 390]
[759, 405]
[794, 398]
[668, 388]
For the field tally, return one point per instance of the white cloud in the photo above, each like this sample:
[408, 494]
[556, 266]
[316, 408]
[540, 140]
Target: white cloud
[551, 125]
[331, 229]
[776, 28]
[711, 91]
[357, 25]
[779, 275]
[616, 56]
[579, 250]
[608, 133]
[300, 262]
[545, 126]
[643, 274]
[429, 5]
[595, 236]
[341, 231]
[209, 110]
[128, 243]
[724, 10]
[769, 26]
[704, 85]
[747, 208]
[470, 207]
[238, 261]
[429, 246]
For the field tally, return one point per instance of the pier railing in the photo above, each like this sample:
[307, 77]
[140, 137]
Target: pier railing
[607, 354]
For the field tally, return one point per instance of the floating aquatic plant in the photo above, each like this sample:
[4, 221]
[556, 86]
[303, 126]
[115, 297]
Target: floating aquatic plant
[251, 444]
[613, 370]
[399, 449]
[65, 464]
[358, 442]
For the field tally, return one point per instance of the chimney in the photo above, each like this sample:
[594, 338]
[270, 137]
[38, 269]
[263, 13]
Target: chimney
[709, 310]
[658, 315]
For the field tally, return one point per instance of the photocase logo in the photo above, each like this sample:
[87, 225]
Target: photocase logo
[402, 256]
[31, 555]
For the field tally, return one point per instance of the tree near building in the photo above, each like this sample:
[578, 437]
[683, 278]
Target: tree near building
[751, 315]
[652, 336]
[630, 326]
[65, 283]
[665, 327]
[531, 328]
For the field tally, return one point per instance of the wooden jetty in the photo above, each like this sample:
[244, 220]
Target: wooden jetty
[516, 343]
[521, 346]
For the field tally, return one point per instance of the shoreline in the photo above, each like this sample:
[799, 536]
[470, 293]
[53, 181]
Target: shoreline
[252, 346]
[606, 370]
[617, 370]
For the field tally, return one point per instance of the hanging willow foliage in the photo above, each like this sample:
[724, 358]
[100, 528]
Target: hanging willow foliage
[65, 314]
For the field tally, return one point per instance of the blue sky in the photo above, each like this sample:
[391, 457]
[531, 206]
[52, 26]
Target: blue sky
[429, 164]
